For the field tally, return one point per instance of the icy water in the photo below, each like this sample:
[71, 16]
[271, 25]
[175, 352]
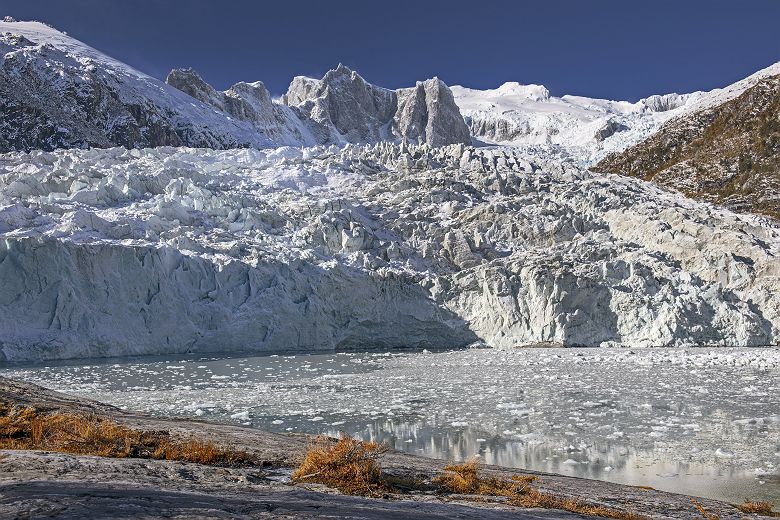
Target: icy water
[699, 421]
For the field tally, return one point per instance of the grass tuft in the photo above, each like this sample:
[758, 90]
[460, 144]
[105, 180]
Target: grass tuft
[347, 464]
[758, 508]
[465, 479]
[23, 428]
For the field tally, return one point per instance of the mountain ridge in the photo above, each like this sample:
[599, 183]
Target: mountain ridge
[57, 92]
[725, 153]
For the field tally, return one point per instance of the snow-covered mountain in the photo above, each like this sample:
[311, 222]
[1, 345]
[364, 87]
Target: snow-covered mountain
[585, 128]
[524, 115]
[340, 108]
[113, 252]
[56, 92]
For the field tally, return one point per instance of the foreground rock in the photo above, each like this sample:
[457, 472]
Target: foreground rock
[115, 252]
[66, 486]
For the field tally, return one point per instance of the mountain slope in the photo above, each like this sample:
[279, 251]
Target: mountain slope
[727, 153]
[56, 92]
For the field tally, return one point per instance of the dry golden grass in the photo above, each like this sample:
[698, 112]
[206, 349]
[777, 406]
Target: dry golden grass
[465, 479]
[26, 429]
[759, 508]
[349, 465]
[706, 515]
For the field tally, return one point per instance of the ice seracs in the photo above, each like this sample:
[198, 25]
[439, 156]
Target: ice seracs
[174, 250]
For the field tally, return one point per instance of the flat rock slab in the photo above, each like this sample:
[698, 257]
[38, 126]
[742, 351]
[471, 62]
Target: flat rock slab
[36, 484]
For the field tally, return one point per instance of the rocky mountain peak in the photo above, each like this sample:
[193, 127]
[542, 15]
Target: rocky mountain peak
[189, 81]
[362, 112]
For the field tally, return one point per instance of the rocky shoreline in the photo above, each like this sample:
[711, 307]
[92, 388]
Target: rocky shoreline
[44, 484]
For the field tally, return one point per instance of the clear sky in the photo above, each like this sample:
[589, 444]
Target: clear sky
[618, 49]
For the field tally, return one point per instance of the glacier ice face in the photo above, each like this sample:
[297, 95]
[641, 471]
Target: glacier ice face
[174, 250]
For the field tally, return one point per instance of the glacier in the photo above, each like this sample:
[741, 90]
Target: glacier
[181, 250]
[347, 216]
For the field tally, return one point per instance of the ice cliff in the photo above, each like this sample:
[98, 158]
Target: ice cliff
[174, 250]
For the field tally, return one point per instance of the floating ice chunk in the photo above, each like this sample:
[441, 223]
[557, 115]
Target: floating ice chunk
[277, 421]
[724, 453]
[244, 416]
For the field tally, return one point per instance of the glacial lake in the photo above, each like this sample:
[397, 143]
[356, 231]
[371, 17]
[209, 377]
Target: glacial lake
[699, 421]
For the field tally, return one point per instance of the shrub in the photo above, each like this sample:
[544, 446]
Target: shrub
[759, 508]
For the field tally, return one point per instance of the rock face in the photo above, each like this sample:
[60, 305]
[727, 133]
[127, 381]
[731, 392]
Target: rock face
[728, 153]
[354, 109]
[250, 102]
[427, 113]
[112, 252]
[359, 112]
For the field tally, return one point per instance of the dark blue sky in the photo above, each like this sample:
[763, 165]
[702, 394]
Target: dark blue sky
[619, 49]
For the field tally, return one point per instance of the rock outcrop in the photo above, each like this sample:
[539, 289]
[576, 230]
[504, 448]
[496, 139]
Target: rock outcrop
[342, 100]
[357, 111]
[427, 113]
[251, 102]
